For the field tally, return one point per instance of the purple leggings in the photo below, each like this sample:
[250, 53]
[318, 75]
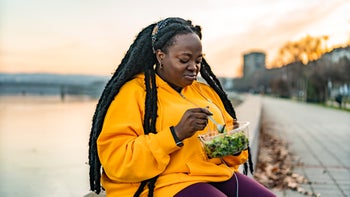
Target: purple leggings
[246, 187]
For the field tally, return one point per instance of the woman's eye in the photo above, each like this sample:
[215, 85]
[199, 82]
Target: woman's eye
[183, 61]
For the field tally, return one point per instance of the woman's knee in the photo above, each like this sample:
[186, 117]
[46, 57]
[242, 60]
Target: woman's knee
[250, 187]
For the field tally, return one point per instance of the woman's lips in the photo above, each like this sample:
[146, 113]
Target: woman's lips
[191, 77]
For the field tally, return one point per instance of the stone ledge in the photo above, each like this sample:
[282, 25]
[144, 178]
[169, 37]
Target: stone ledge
[250, 110]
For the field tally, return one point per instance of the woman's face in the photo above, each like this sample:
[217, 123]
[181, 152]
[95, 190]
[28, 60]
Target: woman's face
[182, 62]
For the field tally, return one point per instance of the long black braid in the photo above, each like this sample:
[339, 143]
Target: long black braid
[137, 59]
[141, 59]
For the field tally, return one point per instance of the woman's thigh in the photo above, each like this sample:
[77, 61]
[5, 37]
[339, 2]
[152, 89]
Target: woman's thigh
[238, 186]
[241, 185]
[200, 190]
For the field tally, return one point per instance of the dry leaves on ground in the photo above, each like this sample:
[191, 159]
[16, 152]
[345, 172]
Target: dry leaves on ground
[274, 168]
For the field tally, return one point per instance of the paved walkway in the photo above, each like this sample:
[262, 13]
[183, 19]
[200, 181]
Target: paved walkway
[320, 137]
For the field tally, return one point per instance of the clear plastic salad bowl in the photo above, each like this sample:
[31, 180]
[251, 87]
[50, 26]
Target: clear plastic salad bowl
[230, 142]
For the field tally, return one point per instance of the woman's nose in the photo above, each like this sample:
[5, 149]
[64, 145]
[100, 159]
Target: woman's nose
[193, 66]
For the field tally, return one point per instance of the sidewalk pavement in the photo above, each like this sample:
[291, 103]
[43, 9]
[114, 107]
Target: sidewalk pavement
[320, 138]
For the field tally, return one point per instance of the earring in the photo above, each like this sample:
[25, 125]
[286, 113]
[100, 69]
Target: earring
[160, 65]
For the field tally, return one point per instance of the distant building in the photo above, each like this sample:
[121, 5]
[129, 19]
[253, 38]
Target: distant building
[335, 55]
[335, 88]
[253, 61]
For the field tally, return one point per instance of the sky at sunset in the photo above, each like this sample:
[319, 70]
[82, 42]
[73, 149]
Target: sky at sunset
[91, 37]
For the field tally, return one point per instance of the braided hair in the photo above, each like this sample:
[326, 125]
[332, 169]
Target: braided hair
[140, 58]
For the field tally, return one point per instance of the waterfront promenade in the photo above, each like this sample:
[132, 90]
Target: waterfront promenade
[319, 137]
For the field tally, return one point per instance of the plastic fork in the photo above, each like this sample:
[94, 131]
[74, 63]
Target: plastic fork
[220, 127]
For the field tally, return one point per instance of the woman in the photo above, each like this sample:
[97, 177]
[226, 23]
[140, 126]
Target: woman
[145, 128]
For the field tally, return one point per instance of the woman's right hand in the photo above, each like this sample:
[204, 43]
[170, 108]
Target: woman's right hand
[193, 120]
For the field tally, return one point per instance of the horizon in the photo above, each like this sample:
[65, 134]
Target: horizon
[109, 75]
[90, 38]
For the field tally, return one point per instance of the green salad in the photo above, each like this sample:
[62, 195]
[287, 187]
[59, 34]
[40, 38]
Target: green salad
[226, 145]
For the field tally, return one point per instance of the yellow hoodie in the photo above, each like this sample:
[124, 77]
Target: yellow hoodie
[129, 157]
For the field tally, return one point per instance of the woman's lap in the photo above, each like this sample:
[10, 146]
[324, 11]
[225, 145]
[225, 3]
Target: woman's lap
[246, 187]
[200, 190]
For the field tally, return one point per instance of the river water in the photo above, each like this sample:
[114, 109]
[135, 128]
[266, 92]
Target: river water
[44, 146]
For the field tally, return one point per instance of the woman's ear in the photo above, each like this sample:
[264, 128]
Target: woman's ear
[160, 56]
